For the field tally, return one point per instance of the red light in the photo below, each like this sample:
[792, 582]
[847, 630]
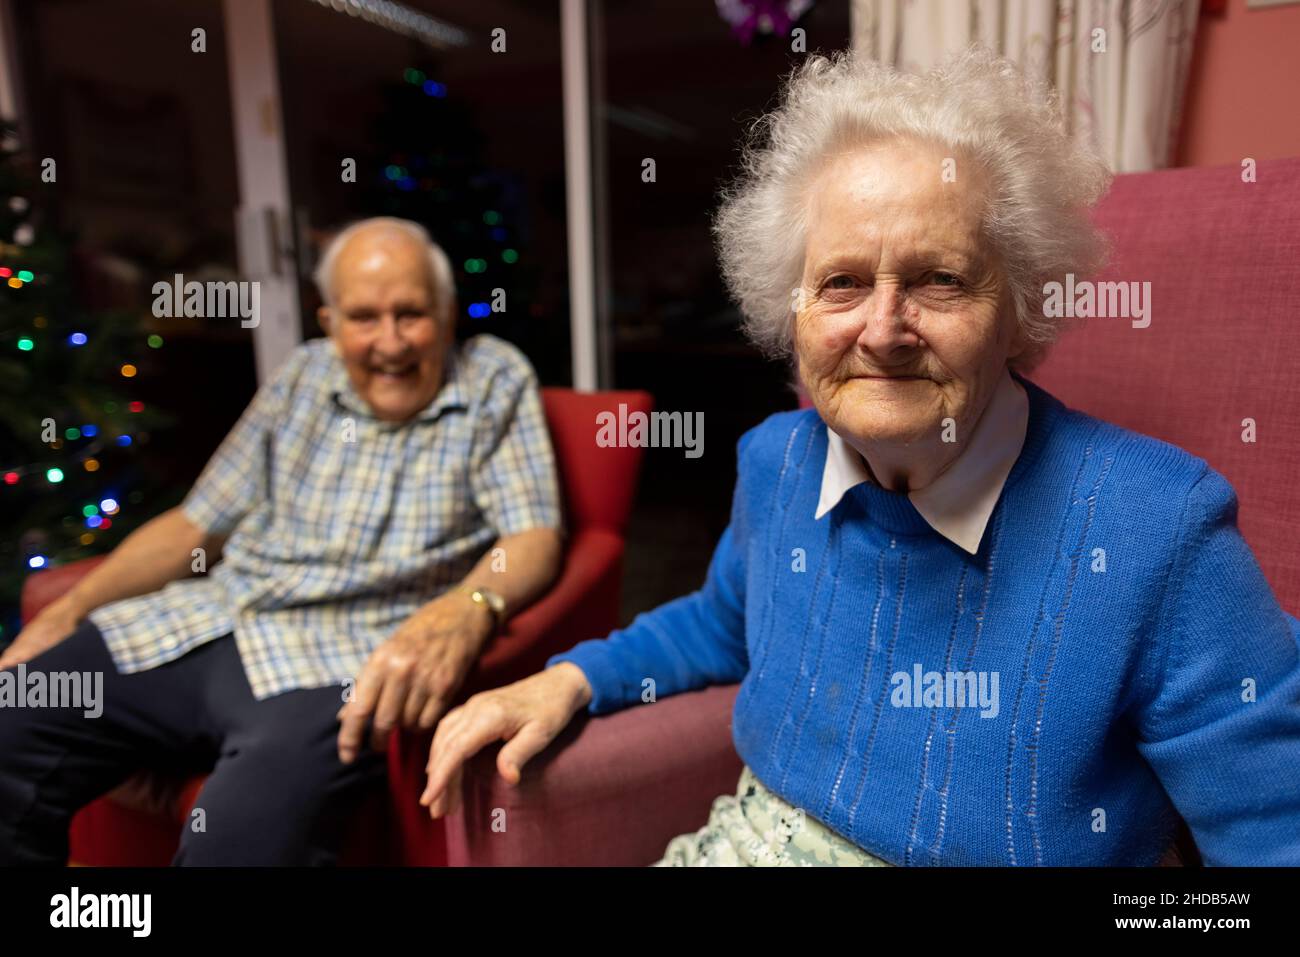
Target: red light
[136, 406]
[5, 272]
[11, 478]
[106, 523]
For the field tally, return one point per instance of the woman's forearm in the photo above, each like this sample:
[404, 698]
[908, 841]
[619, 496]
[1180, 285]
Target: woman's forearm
[160, 551]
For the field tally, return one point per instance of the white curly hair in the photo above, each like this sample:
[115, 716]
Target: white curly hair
[1041, 182]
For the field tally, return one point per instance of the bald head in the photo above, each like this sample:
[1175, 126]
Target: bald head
[386, 235]
[389, 312]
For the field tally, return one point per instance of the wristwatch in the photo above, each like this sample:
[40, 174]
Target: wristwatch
[491, 600]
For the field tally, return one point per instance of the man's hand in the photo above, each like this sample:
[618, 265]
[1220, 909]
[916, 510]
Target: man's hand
[527, 715]
[51, 626]
[411, 677]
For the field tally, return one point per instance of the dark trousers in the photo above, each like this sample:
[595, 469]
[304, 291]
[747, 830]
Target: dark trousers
[277, 793]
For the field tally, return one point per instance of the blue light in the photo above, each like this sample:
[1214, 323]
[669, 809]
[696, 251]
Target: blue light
[108, 506]
[478, 310]
[406, 183]
[36, 561]
[90, 431]
[499, 233]
[434, 88]
[124, 440]
[77, 339]
[94, 521]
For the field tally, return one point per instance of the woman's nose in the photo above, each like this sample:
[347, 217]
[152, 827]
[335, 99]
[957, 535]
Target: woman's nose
[885, 326]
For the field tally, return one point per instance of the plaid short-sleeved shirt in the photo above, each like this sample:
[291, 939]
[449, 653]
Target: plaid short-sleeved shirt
[341, 525]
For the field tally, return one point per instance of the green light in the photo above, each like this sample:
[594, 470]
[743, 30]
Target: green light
[26, 275]
[25, 345]
[491, 217]
[72, 432]
[89, 510]
[509, 255]
[110, 406]
[155, 342]
[54, 475]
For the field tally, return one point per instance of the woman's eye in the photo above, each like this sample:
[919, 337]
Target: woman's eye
[841, 282]
[945, 279]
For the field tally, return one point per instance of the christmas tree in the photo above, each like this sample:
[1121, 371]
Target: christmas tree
[71, 484]
[429, 165]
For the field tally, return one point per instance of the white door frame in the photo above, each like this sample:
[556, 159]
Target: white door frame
[264, 224]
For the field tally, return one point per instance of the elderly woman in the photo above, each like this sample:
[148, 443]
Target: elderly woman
[972, 626]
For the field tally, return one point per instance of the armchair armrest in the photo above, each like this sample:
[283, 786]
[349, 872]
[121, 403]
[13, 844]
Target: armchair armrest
[582, 604]
[43, 588]
[612, 790]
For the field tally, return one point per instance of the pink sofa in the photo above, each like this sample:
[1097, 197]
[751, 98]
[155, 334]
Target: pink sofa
[1223, 260]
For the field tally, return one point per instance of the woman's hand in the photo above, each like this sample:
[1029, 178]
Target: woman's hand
[42, 633]
[527, 715]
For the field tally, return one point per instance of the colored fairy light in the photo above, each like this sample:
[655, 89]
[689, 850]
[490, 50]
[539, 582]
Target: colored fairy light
[110, 407]
[15, 283]
[91, 465]
[106, 524]
[499, 233]
[434, 88]
[94, 521]
[90, 430]
[478, 310]
[86, 538]
[11, 478]
[155, 341]
[124, 440]
[77, 339]
[491, 217]
[55, 476]
[108, 506]
[72, 432]
[393, 172]
[5, 272]
[129, 371]
[36, 561]
[89, 510]
[26, 275]
[25, 344]
[509, 256]
[136, 406]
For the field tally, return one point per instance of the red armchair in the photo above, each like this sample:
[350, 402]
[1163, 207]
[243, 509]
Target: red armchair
[138, 823]
[1223, 260]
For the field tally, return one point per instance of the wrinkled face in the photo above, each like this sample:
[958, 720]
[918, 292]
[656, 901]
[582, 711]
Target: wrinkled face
[904, 319]
[384, 324]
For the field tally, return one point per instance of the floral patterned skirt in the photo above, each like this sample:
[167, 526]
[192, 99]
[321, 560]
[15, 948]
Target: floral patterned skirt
[755, 828]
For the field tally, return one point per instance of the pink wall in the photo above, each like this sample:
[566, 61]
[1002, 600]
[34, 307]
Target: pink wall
[1243, 96]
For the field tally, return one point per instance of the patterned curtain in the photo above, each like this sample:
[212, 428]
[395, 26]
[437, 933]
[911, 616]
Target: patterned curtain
[1120, 65]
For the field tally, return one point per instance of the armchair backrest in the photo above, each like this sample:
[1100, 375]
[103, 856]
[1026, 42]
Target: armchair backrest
[598, 482]
[1223, 344]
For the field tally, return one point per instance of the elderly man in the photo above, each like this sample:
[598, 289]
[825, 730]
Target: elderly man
[384, 504]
